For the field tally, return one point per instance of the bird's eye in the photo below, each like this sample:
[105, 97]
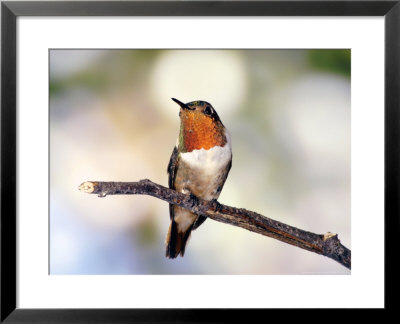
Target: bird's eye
[208, 111]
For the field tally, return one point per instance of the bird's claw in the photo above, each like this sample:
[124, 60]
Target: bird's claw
[217, 205]
[194, 200]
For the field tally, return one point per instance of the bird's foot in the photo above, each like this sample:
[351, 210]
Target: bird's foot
[194, 200]
[217, 205]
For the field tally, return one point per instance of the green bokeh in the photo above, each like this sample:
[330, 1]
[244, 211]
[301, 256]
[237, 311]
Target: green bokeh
[337, 61]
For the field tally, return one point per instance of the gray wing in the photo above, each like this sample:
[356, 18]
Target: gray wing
[172, 168]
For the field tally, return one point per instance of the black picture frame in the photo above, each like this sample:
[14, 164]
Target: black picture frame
[10, 11]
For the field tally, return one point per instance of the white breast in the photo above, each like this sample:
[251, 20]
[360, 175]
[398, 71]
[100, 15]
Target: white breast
[210, 161]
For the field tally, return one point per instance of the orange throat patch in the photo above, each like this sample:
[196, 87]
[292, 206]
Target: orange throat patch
[199, 131]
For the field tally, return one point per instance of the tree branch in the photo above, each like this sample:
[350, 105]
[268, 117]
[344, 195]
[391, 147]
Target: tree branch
[328, 244]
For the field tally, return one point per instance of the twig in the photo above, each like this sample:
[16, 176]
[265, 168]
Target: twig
[328, 244]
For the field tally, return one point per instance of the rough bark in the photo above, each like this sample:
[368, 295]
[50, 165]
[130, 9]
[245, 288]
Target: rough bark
[325, 244]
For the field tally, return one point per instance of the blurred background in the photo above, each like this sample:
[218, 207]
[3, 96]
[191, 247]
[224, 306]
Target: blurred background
[112, 119]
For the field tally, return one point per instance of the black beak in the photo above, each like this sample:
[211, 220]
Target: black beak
[183, 105]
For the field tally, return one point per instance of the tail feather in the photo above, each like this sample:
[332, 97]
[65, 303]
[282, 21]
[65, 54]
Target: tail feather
[176, 241]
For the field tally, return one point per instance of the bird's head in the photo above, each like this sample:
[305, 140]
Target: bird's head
[200, 126]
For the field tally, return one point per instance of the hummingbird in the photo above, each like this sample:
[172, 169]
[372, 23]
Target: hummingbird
[199, 165]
